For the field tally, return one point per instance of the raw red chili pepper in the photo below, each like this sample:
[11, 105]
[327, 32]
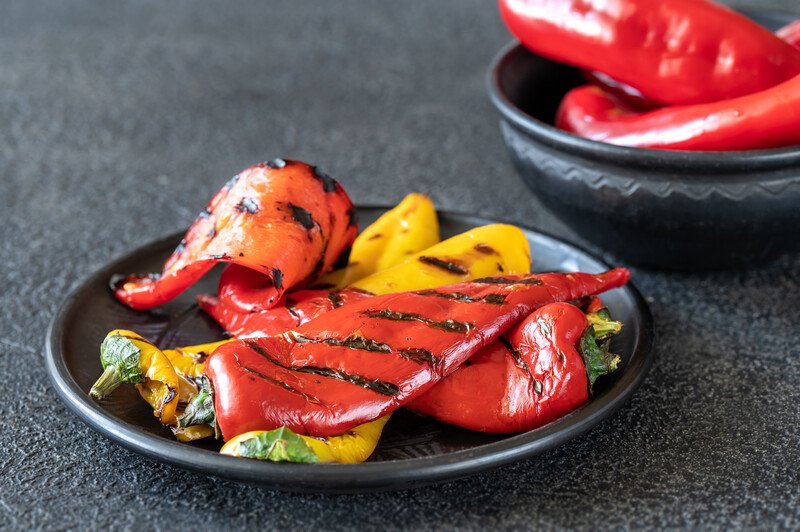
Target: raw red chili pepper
[767, 119]
[635, 100]
[672, 51]
[534, 375]
[363, 360]
[284, 222]
[294, 310]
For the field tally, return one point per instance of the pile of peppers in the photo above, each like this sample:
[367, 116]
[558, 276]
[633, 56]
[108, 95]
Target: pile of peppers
[332, 331]
[668, 74]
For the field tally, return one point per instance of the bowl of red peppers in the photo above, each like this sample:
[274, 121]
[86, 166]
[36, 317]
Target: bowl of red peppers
[666, 133]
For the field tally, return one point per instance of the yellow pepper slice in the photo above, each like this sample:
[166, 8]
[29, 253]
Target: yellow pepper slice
[406, 229]
[480, 252]
[283, 445]
[129, 358]
[190, 361]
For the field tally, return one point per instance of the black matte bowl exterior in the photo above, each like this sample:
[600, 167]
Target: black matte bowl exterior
[413, 451]
[665, 209]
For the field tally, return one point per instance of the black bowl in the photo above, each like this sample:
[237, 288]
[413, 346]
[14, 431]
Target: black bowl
[666, 209]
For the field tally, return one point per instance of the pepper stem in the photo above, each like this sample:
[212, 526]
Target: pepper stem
[107, 383]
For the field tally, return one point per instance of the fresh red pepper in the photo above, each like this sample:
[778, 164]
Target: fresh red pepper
[294, 310]
[539, 371]
[368, 358]
[282, 222]
[674, 52]
[635, 100]
[767, 119]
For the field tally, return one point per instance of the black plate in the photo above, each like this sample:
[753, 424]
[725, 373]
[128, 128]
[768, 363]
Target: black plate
[413, 451]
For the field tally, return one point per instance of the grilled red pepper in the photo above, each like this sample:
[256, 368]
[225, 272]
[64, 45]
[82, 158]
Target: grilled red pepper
[541, 370]
[363, 360]
[674, 52]
[282, 222]
[294, 310]
[767, 119]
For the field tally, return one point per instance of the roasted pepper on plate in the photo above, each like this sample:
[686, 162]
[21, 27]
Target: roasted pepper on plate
[322, 378]
[283, 222]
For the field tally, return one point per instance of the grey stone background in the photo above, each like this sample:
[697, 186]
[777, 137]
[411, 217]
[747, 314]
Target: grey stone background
[117, 122]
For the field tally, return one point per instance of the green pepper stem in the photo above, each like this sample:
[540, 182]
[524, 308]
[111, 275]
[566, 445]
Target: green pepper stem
[107, 383]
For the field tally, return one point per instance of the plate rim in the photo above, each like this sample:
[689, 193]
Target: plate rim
[348, 478]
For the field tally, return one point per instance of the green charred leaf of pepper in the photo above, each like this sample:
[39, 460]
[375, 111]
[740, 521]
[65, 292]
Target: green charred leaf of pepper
[121, 365]
[200, 409]
[596, 357]
[279, 445]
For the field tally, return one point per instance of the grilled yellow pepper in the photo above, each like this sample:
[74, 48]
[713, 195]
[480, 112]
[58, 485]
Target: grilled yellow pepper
[480, 252]
[128, 358]
[284, 445]
[190, 361]
[408, 228]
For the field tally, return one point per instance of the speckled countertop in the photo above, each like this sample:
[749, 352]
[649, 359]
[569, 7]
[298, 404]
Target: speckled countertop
[119, 120]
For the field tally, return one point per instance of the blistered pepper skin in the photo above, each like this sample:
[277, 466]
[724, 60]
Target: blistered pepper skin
[675, 52]
[533, 377]
[284, 221]
[364, 360]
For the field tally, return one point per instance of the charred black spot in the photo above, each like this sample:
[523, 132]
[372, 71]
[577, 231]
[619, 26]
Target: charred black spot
[276, 164]
[302, 216]
[336, 299]
[375, 236]
[451, 266]
[241, 254]
[486, 249]
[509, 281]
[446, 325]
[200, 357]
[378, 386]
[419, 355]
[277, 278]
[328, 183]
[500, 267]
[248, 205]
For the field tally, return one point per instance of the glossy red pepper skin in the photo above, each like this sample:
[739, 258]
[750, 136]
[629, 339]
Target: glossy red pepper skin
[310, 212]
[768, 119]
[366, 359]
[532, 378]
[635, 100]
[293, 310]
[675, 52]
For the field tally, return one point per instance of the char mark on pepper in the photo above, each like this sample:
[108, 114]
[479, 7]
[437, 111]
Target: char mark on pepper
[336, 299]
[276, 382]
[517, 357]
[445, 325]
[381, 387]
[491, 299]
[509, 281]
[277, 278]
[419, 355]
[328, 183]
[302, 216]
[486, 249]
[449, 266]
[351, 342]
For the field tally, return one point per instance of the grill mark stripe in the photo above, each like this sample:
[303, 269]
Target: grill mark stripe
[446, 325]
[537, 384]
[491, 299]
[276, 382]
[378, 386]
[448, 266]
[351, 342]
[509, 281]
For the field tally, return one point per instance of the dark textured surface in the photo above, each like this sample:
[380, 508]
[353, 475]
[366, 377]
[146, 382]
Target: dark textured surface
[118, 122]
